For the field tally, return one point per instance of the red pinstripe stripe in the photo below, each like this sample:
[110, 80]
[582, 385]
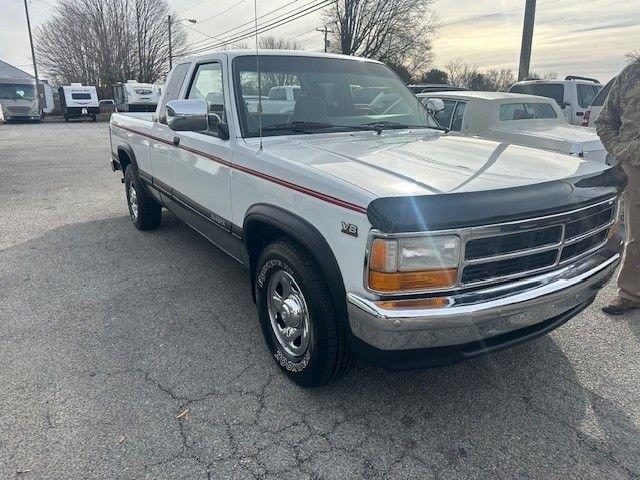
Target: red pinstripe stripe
[307, 191]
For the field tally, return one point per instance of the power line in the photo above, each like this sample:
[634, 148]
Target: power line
[222, 12]
[217, 36]
[192, 6]
[268, 26]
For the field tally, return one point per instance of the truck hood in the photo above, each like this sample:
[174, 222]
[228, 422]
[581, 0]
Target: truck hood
[427, 180]
[559, 137]
[426, 163]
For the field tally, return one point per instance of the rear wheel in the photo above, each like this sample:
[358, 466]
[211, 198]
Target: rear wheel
[297, 315]
[145, 212]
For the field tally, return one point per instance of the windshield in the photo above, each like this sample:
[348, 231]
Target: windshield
[17, 91]
[332, 94]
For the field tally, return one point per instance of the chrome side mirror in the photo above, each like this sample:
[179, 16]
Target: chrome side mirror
[435, 105]
[187, 115]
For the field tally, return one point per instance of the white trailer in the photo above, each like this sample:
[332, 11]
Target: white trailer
[77, 100]
[132, 96]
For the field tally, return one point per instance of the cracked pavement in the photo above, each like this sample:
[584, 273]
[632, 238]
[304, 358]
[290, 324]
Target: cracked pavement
[108, 334]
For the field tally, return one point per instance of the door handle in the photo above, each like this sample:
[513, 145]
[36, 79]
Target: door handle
[176, 141]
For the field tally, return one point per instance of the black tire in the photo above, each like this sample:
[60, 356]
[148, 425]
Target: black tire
[327, 356]
[148, 213]
[93, 118]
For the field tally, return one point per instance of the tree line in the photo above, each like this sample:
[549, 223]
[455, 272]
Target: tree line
[102, 42]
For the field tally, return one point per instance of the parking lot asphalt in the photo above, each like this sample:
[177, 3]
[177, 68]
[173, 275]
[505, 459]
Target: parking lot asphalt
[133, 355]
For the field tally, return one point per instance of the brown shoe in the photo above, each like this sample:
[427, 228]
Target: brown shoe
[620, 305]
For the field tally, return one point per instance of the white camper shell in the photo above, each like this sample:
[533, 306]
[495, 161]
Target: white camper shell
[79, 100]
[132, 96]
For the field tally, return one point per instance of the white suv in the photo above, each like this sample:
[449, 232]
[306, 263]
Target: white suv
[574, 94]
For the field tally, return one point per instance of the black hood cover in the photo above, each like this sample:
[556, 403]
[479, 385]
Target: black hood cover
[469, 209]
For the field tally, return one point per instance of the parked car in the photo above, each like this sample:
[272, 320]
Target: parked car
[591, 115]
[434, 87]
[526, 120]
[364, 232]
[79, 101]
[574, 94]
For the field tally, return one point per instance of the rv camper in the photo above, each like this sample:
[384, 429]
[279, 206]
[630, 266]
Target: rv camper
[18, 100]
[131, 96]
[77, 100]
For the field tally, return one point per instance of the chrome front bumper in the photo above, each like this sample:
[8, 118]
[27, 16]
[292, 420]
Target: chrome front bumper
[486, 313]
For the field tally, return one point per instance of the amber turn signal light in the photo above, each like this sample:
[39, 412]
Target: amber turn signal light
[412, 281]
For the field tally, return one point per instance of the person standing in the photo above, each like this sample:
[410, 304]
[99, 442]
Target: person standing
[618, 126]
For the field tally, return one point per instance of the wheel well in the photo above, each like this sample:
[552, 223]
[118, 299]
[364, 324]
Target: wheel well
[265, 223]
[123, 156]
[257, 235]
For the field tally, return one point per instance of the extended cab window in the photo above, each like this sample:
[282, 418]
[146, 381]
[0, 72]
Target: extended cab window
[526, 111]
[172, 89]
[207, 85]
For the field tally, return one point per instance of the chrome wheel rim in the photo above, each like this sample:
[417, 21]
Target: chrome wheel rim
[133, 202]
[288, 313]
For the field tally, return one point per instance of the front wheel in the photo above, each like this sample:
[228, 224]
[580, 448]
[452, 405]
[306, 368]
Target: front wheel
[145, 212]
[299, 321]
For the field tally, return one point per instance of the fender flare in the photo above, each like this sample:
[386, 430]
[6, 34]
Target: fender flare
[126, 148]
[309, 237]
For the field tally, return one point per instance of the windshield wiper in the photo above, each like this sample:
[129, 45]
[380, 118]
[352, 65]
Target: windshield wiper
[298, 126]
[381, 125]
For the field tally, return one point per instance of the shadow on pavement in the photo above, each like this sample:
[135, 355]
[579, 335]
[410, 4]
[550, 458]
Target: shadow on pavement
[110, 333]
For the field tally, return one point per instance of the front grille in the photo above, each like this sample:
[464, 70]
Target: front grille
[17, 110]
[500, 252]
[503, 268]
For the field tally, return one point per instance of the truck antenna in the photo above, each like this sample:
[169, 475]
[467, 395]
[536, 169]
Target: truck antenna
[255, 21]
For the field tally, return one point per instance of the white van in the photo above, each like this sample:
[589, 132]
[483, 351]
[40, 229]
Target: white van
[77, 100]
[136, 97]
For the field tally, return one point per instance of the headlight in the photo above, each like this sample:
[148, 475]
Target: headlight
[413, 263]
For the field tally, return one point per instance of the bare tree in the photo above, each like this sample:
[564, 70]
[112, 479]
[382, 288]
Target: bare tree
[633, 55]
[101, 42]
[275, 43]
[397, 32]
[470, 76]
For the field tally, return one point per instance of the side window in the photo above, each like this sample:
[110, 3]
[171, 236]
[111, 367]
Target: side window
[443, 117]
[458, 115]
[207, 85]
[586, 94]
[172, 89]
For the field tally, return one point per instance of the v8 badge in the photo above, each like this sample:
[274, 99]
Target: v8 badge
[349, 229]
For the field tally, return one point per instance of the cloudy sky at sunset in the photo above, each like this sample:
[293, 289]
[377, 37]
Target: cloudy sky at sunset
[587, 37]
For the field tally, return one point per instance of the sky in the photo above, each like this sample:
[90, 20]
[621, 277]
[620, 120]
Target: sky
[581, 37]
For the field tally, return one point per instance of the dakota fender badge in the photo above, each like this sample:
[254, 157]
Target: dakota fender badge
[349, 229]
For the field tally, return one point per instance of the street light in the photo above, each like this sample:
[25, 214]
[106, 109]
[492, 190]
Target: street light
[190, 20]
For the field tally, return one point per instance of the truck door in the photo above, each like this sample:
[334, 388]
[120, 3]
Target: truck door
[161, 146]
[200, 166]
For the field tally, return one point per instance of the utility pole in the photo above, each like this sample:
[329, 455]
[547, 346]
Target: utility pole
[33, 53]
[170, 59]
[326, 32]
[140, 79]
[527, 39]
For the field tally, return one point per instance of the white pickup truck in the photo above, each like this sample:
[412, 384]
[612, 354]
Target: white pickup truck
[368, 230]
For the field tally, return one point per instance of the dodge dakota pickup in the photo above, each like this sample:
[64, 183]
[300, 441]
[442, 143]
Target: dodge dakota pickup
[366, 228]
